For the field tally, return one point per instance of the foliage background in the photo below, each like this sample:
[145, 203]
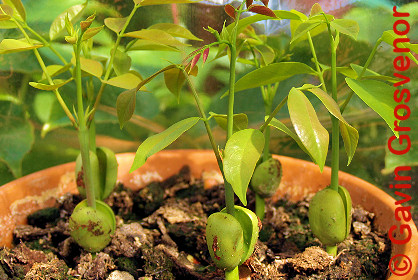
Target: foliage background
[35, 133]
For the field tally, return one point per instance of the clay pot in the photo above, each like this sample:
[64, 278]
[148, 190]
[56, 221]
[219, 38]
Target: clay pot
[25, 195]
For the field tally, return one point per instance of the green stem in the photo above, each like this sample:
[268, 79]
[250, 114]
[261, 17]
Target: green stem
[43, 67]
[318, 68]
[83, 131]
[109, 67]
[366, 65]
[335, 140]
[260, 206]
[273, 114]
[332, 250]
[232, 274]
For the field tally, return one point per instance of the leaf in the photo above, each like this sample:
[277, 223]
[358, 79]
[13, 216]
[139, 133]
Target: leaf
[161, 140]
[157, 36]
[12, 46]
[121, 63]
[205, 55]
[240, 121]
[267, 54]
[389, 37]
[349, 134]
[17, 138]
[378, 96]
[18, 8]
[125, 106]
[174, 80]
[57, 84]
[271, 74]
[160, 2]
[6, 10]
[140, 45]
[303, 28]
[230, 11]
[127, 81]
[369, 74]
[262, 10]
[312, 134]
[248, 3]
[346, 26]
[90, 66]
[282, 127]
[58, 25]
[316, 9]
[175, 30]
[7, 24]
[84, 24]
[92, 31]
[241, 154]
[55, 70]
[115, 24]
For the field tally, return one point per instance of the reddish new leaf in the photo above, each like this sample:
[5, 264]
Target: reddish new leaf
[249, 3]
[205, 55]
[230, 10]
[265, 2]
[195, 60]
[262, 10]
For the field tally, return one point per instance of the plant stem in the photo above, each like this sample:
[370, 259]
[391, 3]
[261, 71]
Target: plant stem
[366, 65]
[332, 250]
[274, 113]
[318, 68]
[260, 206]
[335, 140]
[232, 274]
[83, 131]
[43, 67]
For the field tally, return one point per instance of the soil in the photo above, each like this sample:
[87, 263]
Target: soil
[160, 235]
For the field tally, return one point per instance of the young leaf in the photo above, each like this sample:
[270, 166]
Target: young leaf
[160, 2]
[140, 45]
[115, 24]
[265, 2]
[349, 134]
[57, 84]
[58, 25]
[304, 28]
[205, 55]
[157, 36]
[271, 74]
[6, 10]
[121, 63]
[90, 32]
[240, 121]
[90, 66]
[174, 80]
[307, 126]
[125, 106]
[242, 151]
[248, 3]
[262, 10]
[346, 26]
[378, 96]
[389, 37]
[175, 30]
[194, 60]
[161, 140]
[12, 46]
[18, 8]
[4, 17]
[86, 23]
[316, 9]
[230, 10]
[7, 24]
[370, 74]
[126, 81]
[55, 70]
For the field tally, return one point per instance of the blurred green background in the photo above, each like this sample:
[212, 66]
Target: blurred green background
[35, 133]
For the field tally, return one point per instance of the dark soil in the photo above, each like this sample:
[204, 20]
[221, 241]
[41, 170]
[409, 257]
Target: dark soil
[161, 235]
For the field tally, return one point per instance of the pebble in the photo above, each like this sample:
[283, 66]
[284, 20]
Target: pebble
[120, 275]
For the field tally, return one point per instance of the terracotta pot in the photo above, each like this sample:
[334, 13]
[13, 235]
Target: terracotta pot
[25, 195]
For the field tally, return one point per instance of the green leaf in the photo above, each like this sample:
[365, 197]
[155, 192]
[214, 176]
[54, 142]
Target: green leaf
[242, 151]
[175, 30]
[304, 28]
[312, 134]
[174, 80]
[7, 24]
[378, 96]
[161, 140]
[125, 106]
[282, 127]
[141, 45]
[121, 63]
[240, 121]
[369, 74]
[90, 66]
[271, 74]
[157, 36]
[389, 36]
[12, 46]
[18, 9]
[55, 70]
[17, 137]
[115, 24]
[127, 81]
[91, 31]
[58, 25]
[57, 84]
[267, 54]
[346, 26]
[349, 134]
[160, 2]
